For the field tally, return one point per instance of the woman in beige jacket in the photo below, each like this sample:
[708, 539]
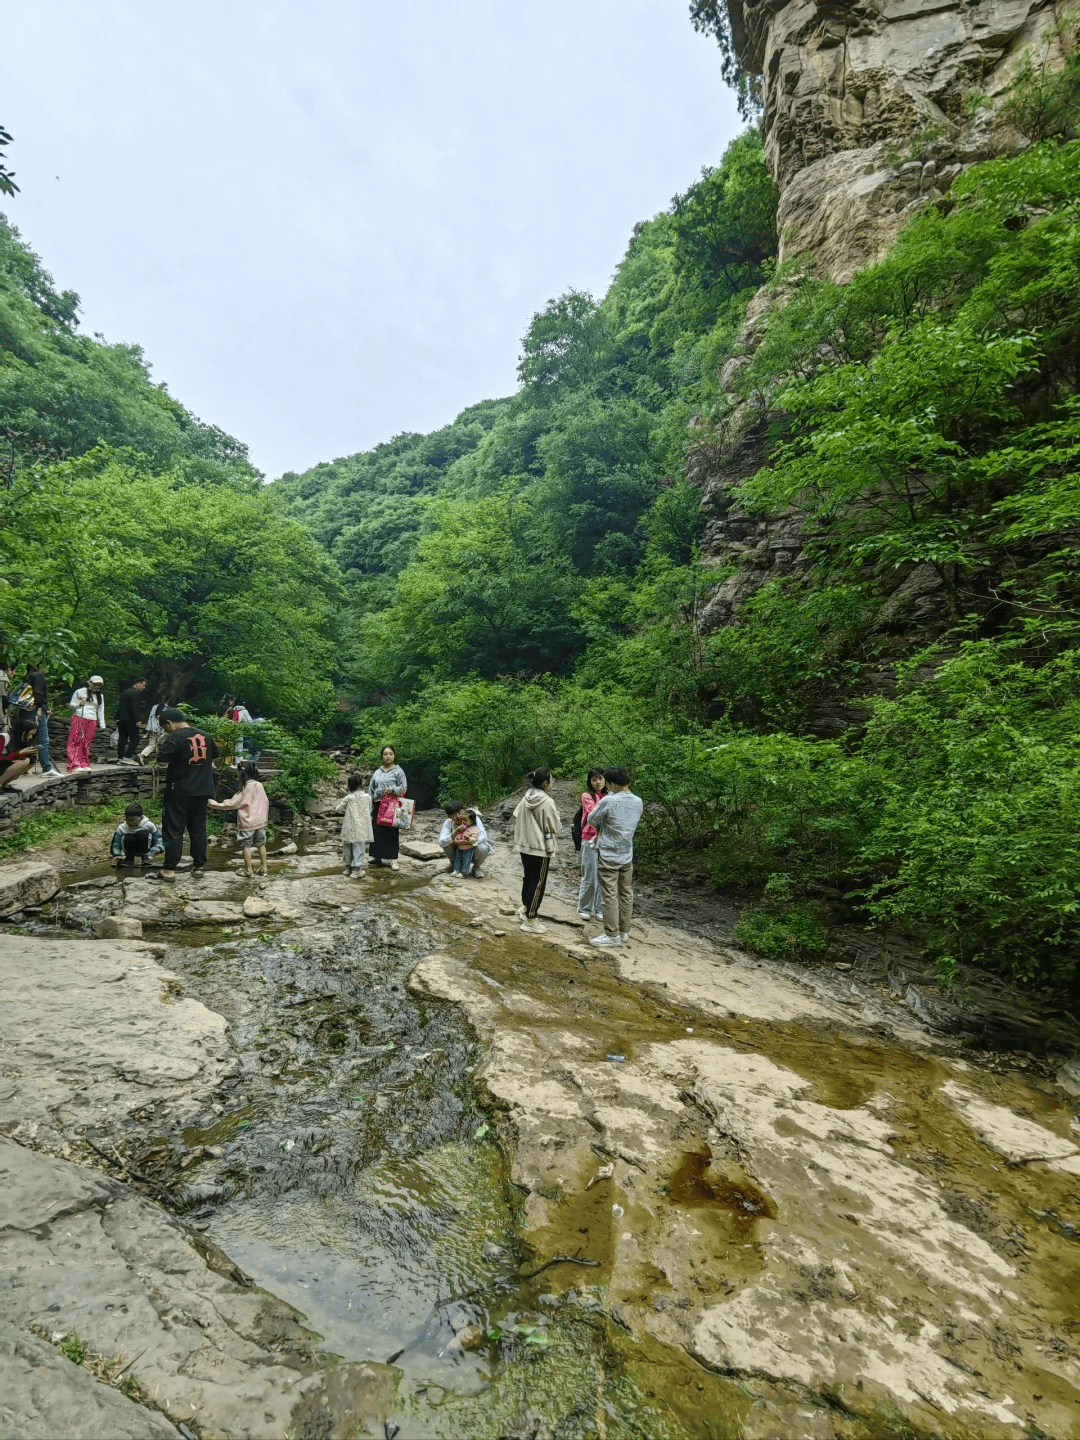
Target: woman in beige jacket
[536, 825]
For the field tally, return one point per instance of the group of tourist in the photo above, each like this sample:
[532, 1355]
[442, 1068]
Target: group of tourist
[371, 820]
[24, 739]
[604, 829]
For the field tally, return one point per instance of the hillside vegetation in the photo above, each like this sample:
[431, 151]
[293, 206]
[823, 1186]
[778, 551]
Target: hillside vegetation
[526, 585]
[134, 538]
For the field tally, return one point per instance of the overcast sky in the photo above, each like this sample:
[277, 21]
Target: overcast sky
[327, 221]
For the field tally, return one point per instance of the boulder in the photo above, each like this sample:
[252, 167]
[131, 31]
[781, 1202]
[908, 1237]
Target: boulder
[118, 927]
[289, 849]
[213, 911]
[27, 882]
[256, 908]
[422, 849]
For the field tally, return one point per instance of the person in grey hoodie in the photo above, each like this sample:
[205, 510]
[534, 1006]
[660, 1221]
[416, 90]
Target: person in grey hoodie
[536, 827]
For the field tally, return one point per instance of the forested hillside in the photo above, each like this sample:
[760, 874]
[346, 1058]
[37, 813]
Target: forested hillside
[135, 539]
[528, 584]
[542, 579]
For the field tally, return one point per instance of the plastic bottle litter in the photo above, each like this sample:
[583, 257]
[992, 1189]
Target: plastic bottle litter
[616, 1059]
[618, 1211]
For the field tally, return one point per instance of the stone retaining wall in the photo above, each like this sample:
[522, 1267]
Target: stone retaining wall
[32, 794]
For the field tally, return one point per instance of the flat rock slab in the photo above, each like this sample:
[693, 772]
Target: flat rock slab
[83, 1254]
[1017, 1140]
[422, 849]
[26, 882]
[215, 912]
[85, 1038]
[801, 1239]
[42, 1395]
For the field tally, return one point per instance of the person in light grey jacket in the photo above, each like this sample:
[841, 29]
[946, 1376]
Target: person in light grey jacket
[388, 779]
[615, 820]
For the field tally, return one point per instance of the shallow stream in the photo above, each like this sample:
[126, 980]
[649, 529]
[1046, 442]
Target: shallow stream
[351, 1170]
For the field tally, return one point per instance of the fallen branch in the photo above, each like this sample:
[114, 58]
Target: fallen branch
[561, 1260]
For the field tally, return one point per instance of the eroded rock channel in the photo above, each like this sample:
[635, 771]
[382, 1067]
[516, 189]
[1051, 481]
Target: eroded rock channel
[327, 1157]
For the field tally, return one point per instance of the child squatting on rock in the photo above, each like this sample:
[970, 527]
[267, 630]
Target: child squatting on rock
[357, 831]
[136, 835]
[252, 812]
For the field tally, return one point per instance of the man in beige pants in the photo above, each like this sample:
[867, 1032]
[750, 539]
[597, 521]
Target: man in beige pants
[615, 820]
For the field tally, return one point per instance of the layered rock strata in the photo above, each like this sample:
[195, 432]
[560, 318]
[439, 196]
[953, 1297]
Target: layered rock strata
[868, 108]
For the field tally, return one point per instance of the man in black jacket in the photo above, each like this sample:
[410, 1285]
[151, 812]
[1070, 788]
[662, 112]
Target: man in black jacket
[127, 722]
[189, 784]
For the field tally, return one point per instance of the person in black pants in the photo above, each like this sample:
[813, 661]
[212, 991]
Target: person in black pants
[189, 783]
[127, 721]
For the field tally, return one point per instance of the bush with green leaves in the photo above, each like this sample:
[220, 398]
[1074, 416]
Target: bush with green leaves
[481, 736]
[976, 845]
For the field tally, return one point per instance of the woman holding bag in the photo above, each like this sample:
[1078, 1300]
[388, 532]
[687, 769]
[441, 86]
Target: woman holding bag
[389, 779]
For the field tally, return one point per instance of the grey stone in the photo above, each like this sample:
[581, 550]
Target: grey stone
[26, 882]
[85, 1254]
[255, 907]
[118, 927]
[44, 1395]
[85, 1014]
[422, 849]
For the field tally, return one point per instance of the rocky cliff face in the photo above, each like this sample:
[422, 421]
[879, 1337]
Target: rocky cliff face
[867, 117]
[851, 88]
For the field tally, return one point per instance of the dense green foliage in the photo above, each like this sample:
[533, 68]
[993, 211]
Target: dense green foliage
[536, 594]
[134, 539]
[886, 730]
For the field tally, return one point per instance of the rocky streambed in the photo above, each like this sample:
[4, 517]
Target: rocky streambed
[326, 1157]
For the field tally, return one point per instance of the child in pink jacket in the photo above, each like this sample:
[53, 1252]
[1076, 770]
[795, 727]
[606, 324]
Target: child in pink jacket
[252, 808]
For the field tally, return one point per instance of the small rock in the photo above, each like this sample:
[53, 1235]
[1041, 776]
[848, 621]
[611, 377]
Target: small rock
[499, 934]
[550, 1301]
[507, 910]
[470, 1338]
[255, 908]
[118, 927]
[475, 921]
[289, 849]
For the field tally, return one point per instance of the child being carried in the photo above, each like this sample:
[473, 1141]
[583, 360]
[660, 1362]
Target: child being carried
[465, 835]
[135, 835]
[252, 807]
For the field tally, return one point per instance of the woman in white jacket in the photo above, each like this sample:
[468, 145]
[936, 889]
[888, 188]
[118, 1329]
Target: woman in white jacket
[88, 706]
[536, 825]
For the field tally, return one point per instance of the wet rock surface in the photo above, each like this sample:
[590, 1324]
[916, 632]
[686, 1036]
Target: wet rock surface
[694, 1194]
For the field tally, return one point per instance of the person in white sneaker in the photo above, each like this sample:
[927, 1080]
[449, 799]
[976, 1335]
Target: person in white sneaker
[536, 827]
[615, 820]
[589, 900]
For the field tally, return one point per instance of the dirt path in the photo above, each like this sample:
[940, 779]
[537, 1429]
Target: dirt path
[727, 1198]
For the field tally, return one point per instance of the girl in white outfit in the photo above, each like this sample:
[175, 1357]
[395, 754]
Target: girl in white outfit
[357, 831]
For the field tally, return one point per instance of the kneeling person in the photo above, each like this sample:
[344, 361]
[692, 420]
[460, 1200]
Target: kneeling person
[136, 835]
[482, 847]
